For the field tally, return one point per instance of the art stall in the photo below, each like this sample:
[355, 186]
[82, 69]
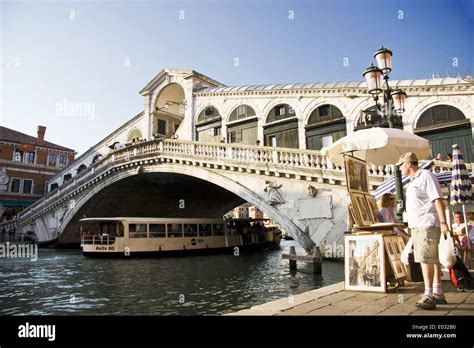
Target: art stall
[372, 248]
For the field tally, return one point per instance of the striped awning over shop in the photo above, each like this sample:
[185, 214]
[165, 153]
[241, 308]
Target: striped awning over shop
[388, 186]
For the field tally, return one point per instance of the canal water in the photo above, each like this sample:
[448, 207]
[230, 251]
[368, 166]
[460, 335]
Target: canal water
[65, 282]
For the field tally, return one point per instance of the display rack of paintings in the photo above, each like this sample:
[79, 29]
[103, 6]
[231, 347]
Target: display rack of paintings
[372, 242]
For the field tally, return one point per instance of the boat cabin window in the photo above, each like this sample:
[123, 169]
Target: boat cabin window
[111, 228]
[218, 229]
[205, 230]
[137, 230]
[175, 230]
[190, 230]
[157, 231]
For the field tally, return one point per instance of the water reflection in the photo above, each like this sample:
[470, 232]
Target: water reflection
[65, 282]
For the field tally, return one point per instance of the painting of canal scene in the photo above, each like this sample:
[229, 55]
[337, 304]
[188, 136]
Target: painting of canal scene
[356, 175]
[365, 263]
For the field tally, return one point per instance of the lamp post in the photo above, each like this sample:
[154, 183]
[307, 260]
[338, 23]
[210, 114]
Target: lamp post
[393, 102]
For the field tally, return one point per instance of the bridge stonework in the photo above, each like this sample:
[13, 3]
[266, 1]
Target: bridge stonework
[300, 190]
[297, 188]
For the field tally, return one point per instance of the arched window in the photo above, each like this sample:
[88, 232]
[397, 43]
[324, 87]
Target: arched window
[281, 134]
[209, 125]
[81, 168]
[96, 158]
[325, 113]
[440, 115]
[280, 112]
[134, 134]
[444, 126]
[241, 112]
[243, 128]
[210, 113]
[326, 124]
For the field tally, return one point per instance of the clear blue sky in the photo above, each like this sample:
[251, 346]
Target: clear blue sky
[57, 51]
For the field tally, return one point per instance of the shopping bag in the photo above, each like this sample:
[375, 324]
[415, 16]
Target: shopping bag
[406, 252]
[446, 250]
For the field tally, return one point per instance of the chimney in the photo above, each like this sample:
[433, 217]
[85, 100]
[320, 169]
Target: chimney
[41, 131]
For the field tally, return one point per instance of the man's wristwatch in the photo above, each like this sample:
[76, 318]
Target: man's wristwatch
[443, 223]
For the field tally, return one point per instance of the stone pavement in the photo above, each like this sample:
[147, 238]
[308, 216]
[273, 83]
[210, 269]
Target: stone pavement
[334, 300]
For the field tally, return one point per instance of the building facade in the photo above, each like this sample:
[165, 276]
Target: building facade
[312, 116]
[26, 165]
[246, 211]
[255, 213]
[187, 105]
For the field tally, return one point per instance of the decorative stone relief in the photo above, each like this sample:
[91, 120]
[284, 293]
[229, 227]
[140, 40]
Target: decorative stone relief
[273, 196]
[312, 191]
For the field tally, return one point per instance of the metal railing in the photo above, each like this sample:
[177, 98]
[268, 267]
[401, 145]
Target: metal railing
[97, 239]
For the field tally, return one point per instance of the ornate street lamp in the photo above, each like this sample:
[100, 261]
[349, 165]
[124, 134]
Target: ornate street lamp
[373, 77]
[393, 103]
[377, 83]
[384, 59]
[399, 97]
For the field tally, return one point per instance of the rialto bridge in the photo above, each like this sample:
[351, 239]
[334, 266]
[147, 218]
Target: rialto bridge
[200, 148]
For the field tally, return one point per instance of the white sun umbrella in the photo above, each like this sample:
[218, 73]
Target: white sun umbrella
[378, 146]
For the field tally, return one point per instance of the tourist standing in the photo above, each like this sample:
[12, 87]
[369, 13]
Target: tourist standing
[426, 220]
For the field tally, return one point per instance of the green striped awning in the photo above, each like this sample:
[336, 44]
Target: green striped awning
[10, 203]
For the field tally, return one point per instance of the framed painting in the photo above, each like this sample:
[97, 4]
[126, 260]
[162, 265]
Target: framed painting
[352, 217]
[394, 246]
[390, 249]
[356, 174]
[361, 209]
[374, 209]
[364, 263]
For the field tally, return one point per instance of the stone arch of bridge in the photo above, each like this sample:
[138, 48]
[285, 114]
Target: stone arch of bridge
[209, 177]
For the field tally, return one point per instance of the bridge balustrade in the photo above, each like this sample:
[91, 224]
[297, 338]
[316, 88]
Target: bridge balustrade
[218, 153]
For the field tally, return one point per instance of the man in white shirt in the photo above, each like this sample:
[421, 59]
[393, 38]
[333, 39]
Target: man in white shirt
[426, 220]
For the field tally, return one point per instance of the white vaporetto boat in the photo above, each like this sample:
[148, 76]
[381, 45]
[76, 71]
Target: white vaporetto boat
[129, 236]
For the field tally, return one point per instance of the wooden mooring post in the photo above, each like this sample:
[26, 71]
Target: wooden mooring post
[315, 259]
